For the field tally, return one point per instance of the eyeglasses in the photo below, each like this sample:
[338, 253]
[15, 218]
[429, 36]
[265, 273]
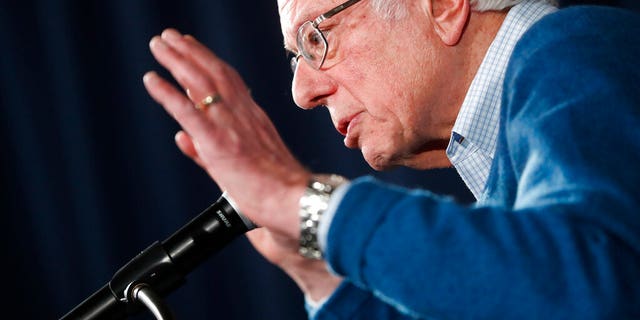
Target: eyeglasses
[312, 45]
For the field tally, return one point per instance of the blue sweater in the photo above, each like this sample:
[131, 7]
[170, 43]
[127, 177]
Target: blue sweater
[556, 234]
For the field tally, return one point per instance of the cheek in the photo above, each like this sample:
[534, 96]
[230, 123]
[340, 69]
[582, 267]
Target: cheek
[354, 70]
[383, 82]
[375, 81]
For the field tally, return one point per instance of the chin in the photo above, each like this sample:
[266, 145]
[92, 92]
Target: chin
[377, 160]
[424, 160]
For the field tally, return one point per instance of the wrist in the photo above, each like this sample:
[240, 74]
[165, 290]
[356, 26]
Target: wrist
[277, 209]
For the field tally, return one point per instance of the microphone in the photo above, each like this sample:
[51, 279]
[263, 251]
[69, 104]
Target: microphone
[164, 265]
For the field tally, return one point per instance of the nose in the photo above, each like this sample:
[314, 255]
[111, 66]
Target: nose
[311, 87]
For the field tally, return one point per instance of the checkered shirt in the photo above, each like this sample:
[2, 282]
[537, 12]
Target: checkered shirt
[475, 133]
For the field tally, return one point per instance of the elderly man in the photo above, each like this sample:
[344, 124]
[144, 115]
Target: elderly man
[536, 108]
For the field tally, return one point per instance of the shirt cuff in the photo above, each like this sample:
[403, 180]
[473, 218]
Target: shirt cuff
[313, 306]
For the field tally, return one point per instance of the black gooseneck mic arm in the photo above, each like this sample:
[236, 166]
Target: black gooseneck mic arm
[162, 267]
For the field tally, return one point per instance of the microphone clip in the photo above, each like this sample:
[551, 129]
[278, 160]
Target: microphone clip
[146, 278]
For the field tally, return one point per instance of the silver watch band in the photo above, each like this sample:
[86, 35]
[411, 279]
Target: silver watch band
[313, 204]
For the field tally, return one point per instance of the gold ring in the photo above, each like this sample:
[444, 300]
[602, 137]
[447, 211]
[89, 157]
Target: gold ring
[209, 100]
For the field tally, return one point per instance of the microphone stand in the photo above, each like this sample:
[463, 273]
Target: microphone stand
[145, 295]
[162, 267]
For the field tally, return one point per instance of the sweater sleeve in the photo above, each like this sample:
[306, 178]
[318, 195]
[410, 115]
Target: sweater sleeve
[562, 238]
[350, 302]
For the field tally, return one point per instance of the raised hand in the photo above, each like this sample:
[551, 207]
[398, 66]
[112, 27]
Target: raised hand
[230, 136]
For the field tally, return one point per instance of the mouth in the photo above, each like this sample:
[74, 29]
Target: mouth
[347, 128]
[345, 124]
[343, 127]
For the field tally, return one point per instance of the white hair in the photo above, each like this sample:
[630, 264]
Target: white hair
[396, 9]
[390, 9]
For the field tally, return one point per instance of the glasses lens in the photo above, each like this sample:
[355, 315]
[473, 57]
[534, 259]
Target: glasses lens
[311, 44]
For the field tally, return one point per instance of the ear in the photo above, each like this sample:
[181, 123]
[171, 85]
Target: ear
[449, 18]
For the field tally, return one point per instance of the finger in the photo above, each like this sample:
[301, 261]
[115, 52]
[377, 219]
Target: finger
[188, 46]
[230, 72]
[261, 239]
[186, 145]
[187, 74]
[176, 104]
[227, 80]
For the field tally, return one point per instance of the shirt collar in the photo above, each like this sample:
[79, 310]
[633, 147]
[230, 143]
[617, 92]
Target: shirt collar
[478, 120]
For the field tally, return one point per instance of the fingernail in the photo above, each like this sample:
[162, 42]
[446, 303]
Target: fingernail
[157, 42]
[171, 35]
[149, 77]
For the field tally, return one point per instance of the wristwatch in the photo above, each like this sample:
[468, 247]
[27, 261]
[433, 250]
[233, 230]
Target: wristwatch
[313, 204]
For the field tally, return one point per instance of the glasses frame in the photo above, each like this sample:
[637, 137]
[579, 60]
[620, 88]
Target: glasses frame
[314, 23]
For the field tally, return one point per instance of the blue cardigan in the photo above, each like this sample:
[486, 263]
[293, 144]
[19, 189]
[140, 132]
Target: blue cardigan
[557, 232]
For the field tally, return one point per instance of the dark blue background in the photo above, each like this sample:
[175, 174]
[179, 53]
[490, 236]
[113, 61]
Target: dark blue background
[90, 172]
